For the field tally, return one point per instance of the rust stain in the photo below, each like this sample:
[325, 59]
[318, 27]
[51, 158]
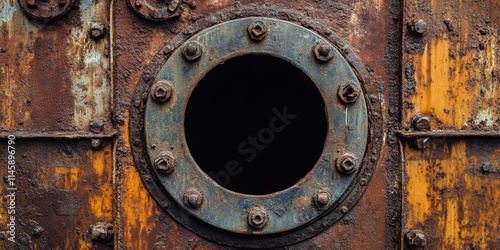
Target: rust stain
[455, 64]
[450, 197]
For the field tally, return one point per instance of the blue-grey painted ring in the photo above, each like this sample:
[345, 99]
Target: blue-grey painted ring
[287, 209]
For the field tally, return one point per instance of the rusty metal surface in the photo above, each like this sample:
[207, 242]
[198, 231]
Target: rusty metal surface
[450, 71]
[132, 60]
[452, 193]
[54, 76]
[57, 79]
[63, 187]
[225, 209]
[450, 74]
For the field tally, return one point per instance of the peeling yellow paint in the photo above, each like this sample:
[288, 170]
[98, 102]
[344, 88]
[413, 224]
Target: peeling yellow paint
[446, 197]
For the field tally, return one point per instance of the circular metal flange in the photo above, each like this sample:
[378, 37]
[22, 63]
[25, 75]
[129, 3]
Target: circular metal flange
[317, 201]
[155, 10]
[45, 10]
[290, 208]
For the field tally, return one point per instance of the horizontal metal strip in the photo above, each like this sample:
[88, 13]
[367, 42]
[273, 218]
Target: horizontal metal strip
[59, 135]
[448, 133]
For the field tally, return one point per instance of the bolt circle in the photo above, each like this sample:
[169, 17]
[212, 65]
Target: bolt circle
[165, 164]
[324, 51]
[162, 91]
[322, 198]
[257, 30]
[192, 50]
[349, 92]
[257, 217]
[346, 163]
[193, 198]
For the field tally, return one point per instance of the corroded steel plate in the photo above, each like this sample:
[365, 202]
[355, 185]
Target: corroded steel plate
[195, 199]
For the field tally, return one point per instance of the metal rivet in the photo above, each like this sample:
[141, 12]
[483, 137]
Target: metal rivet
[349, 92]
[344, 209]
[363, 181]
[322, 198]
[96, 29]
[346, 163]
[138, 3]
[421, 122]
[192, 50]
[257, 30]
[416, 238]
[324, 51]
[193, 198]
[423, 143]
[257, 217]
[161, 90]
[165, 164]
[418, 27]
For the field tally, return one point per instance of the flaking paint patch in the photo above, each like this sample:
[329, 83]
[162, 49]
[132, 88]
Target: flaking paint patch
[91, 86]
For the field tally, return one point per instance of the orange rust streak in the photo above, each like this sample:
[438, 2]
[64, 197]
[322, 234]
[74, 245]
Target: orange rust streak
[447, 198]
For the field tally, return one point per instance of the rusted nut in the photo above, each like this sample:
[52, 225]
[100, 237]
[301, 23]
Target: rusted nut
[418, 27]
[324, 51]
[162, 90]
[193, 198]
[421, 122]
[322, 198]
[346, 163]
[488, 167]
[349, 92]
[165, 164]
[257, 30]
[257, 217]
[96, 143]
[96, 125]
[96, 30]
[416, 238]
[423, 143]
[101, 231]
[192, 50]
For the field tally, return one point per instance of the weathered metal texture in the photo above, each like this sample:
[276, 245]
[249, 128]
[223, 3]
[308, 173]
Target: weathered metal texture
[365, 25]
[452, 193]
[451, 75]
[450, 71]
[63, 188]
[54, 75]
[348, 129]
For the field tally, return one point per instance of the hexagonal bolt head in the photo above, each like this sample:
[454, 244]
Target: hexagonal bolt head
[346, 163]
[416, 238]
[418, 27]
[96, 29]
[421, 122]
[192, 50]
[324, 51]
[422, 143]
[322, 198]
[193, 198]
[349, 92]
[162, 91]
[257, 30]
[165, 164]
[101, 231]
[257, 217]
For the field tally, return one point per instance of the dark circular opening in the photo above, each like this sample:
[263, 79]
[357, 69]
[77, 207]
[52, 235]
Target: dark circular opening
[256, 124]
